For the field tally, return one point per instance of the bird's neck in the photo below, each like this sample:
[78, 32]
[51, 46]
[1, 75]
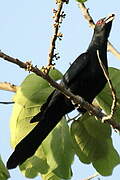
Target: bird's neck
[98, 43]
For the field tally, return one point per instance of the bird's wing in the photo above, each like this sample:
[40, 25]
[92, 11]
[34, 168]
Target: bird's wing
[78, 65]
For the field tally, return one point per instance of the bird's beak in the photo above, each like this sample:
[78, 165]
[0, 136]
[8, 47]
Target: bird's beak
[109, 18]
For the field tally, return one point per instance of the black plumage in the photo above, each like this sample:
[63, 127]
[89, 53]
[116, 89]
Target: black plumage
[84, 77]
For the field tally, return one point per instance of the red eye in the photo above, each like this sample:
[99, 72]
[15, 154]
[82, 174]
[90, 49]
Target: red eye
[100, 22]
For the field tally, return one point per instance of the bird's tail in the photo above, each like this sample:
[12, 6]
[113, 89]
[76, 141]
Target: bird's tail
[28, 145]
[51, 113]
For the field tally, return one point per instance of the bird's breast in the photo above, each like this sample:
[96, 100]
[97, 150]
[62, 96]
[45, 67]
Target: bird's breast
[89, 84]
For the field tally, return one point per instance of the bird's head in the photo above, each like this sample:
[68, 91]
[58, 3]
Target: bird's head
[103, 26]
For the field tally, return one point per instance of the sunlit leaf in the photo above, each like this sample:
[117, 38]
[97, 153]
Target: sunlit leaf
[52, 158]
[30, 96]
[50, 176]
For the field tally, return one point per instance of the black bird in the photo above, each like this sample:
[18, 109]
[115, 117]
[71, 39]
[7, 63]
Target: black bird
[84, 77]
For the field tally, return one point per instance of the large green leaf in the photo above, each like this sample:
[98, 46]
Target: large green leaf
[93, 144]
[56, 149]
[28, 99]
[4, 174]
[30, 96]
[104, 99]
[52, 159]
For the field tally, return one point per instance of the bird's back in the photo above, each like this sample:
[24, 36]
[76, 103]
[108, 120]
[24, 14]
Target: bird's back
[89, 79]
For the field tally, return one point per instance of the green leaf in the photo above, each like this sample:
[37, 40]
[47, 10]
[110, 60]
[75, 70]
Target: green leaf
[81, 1]
[30, 96]
[4, 173]
[33, 88]
[104, 99]
[93, 144]
[56, 148]
[37, 163]
[105, 165]
[51, 159]
[50, 176]
[77, 141]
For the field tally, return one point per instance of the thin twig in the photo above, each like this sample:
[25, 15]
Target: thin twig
[8, 87]
[87, 16]
[74, 98]
[91, 177]
[7, 102]
[111, 87]
[58, 17]
[112, 49]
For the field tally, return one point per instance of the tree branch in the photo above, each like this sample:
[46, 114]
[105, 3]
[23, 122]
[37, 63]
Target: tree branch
[58, 18]
[113, 50]
[87, 16]
[8, 87]
[111, 87]
[74, 98]
[92, 176]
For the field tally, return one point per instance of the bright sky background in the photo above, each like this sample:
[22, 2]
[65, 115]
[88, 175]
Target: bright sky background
[25, 32]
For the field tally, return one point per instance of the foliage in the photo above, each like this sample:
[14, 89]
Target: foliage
[93, 144]
[86, 137]
[4, 174]
[49, 160]
[91, 139]
[105, 98]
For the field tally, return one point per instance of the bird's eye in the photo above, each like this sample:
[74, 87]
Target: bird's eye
[100, 22]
